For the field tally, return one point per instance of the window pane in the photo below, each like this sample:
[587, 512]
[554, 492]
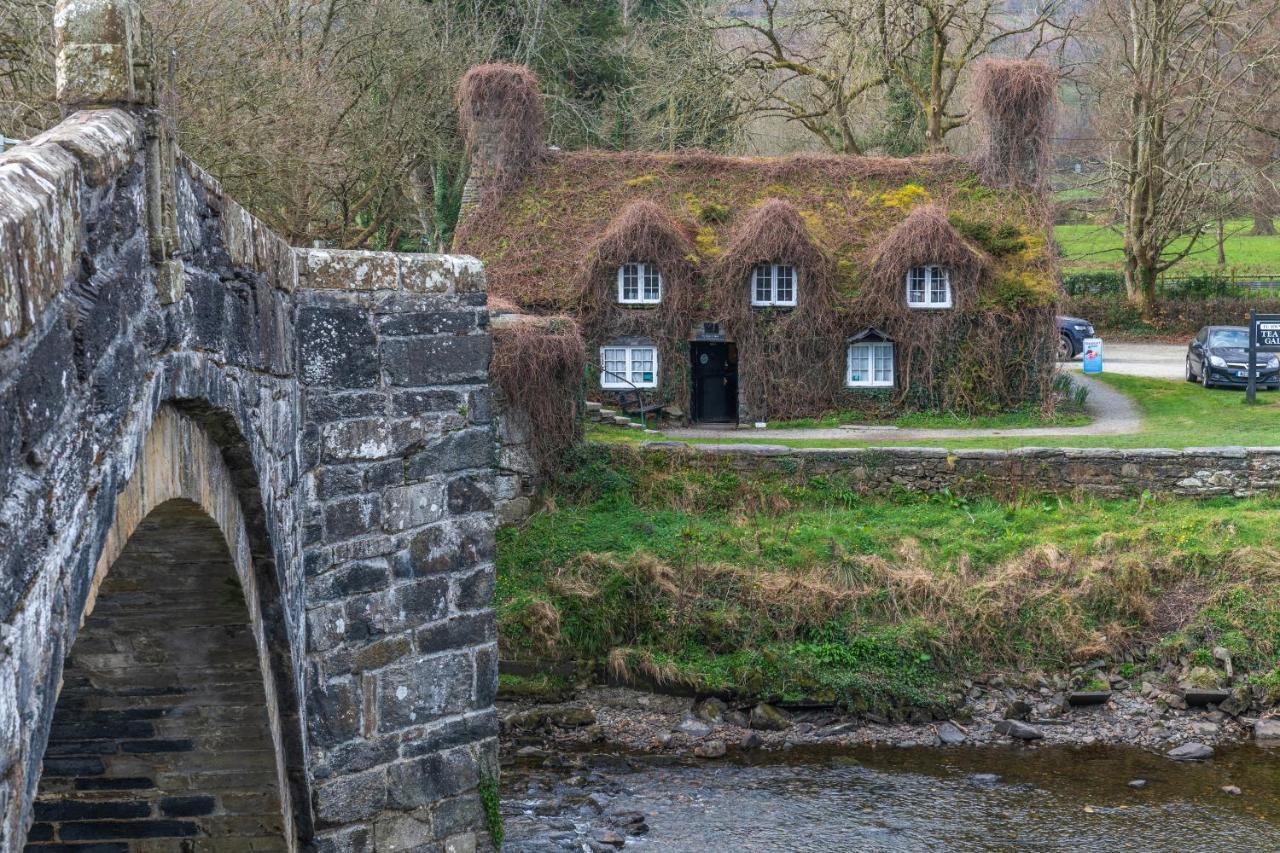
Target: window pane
[764, 289]
[652, 283]
[937, 285]
[915, 284]
[884, 362]
[785, 290]
[630, 283]
[613, 364]
[642, 365]
[858, 363]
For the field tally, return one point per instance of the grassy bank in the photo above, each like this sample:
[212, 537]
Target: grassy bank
[1174, 415]
[763, 587]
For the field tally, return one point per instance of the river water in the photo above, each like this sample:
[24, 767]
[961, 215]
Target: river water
[886, 799]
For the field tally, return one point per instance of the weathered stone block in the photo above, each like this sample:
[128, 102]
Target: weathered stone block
[416, 693]
[426, 780]
[337, 348]
[336, 269]
[413, 506]
[437, 360]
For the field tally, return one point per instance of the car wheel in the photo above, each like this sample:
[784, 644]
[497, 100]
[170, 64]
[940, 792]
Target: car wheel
[1066, 351]
[1191, 376]
[1204, 376]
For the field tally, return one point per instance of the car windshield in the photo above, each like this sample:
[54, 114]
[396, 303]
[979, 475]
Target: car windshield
[1229, 338]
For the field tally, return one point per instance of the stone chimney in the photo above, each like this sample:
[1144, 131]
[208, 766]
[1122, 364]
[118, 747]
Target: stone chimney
[1015, 106]
[500, 112]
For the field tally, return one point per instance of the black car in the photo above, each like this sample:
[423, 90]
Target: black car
[1071, 334]
[1219, 355]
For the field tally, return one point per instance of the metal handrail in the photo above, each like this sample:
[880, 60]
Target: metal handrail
[634, 387]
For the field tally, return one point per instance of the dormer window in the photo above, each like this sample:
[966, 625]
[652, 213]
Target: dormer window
[639, 284]
[773, 284]
[928, 287]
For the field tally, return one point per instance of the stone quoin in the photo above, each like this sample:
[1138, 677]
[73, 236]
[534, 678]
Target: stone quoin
[247, 538]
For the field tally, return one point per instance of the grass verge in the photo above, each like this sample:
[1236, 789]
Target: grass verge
[1174, 415]
[768, 587]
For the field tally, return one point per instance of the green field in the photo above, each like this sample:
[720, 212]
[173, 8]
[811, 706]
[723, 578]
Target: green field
[777, 586]
[1093, 247]
[1174, 415]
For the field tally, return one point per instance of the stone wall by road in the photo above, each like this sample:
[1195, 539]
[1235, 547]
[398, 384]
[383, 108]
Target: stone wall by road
[1193, 472]
[347, 396]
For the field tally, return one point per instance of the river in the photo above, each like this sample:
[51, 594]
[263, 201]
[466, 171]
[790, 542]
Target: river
[890, 799]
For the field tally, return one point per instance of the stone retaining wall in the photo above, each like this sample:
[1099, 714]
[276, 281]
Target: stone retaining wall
[1193, 472]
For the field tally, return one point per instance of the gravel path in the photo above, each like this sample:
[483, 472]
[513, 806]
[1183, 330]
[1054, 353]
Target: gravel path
[1155, 361]
[1113, 414]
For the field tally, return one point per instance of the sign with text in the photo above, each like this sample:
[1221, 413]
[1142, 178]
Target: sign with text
[1266, 332]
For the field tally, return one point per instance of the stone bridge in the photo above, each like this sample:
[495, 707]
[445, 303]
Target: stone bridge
[247, 534]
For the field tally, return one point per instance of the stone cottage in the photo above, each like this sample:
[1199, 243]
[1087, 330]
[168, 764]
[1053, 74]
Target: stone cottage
[739, 289]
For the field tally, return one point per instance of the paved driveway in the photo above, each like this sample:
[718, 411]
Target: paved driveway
[1157, 361]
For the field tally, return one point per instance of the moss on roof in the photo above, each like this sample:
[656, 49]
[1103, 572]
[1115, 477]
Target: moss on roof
[534, 238]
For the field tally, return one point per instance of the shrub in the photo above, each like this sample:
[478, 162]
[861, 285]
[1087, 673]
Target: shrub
[1106, 283]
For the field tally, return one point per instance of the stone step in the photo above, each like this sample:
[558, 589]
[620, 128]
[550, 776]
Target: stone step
[593, 406]
[607, 413]
[634, 425]
[621, 421]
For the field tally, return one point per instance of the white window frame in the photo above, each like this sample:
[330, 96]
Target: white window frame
[643, 272]
[932, 272]
[614, 383]
[871, 381]
[773, 299]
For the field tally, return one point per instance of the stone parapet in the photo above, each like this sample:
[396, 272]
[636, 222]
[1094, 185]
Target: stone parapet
[1191, 472]
[41, 186]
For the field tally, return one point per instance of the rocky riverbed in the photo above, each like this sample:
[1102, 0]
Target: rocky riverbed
[991, 714]
[579, 760]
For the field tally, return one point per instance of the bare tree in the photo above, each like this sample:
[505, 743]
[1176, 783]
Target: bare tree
[817, 62]
[1181, 86]
[26, 67]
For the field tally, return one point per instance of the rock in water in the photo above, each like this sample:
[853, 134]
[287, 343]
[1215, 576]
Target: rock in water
[768, 718]
[1231, 789]
[950, 735]
[710, 710]
[1267, 728]
[609, 837]
[1137, 784]
[1015, 729]
[694, 727]
[710, 749]
[1017, 710]
[1193, 751]
[751, 740]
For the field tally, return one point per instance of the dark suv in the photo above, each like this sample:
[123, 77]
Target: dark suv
[1071, 334]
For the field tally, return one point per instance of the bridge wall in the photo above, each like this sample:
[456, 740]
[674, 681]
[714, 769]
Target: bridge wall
[348, 396]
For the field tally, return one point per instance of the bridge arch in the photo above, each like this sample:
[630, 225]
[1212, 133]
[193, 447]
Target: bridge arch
[174, 719]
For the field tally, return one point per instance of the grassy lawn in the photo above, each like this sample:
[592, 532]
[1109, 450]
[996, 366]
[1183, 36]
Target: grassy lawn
[1028, 417]
[1091, 247]
[785, 588]
[1174, 415]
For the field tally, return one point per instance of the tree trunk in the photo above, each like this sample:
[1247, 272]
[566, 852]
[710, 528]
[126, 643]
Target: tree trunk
[1222, 241]
[1139, 280]
[1263, 224]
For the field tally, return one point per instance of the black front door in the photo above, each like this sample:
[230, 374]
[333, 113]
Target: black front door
[715, 382]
